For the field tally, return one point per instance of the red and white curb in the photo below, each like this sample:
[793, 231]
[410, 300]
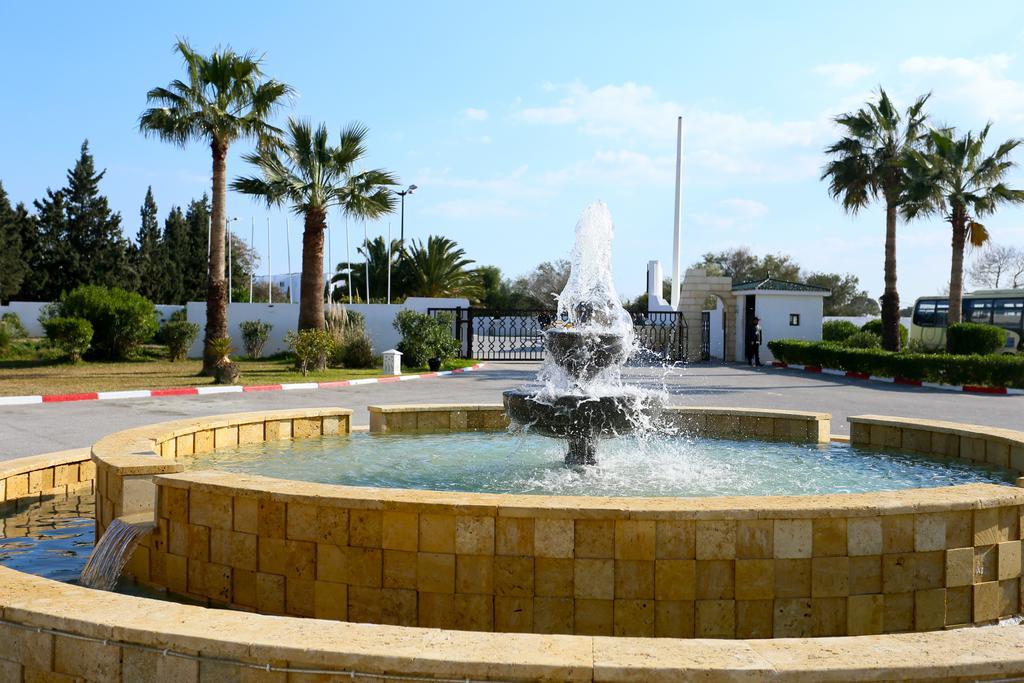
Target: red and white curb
[221, 389]
[970, 388]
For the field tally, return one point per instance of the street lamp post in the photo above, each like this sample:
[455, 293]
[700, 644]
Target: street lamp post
[402, 193]
[230, 253]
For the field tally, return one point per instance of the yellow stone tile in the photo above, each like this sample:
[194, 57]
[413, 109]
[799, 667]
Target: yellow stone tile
[332, 525]
[301, 522]
[986, 563]
[474, 574]
[472, 612]
[513, 576]
[513, 536]
[792, 538]
[330, 600]
[246, 515]
[676, 539]
[398, 606]
[930, 609]
[634, 579]
[898, 573]
[986, 601]
[716, 540]
[754, 539]
[897, 534]
[793, 578]
[958, 605]
[211, 509]
[552, 615]
[198, 543]
[1009, 598]
[997, 453]
[513, 614]
[636, 539]
[306, 428]
[437, 533]
[1009, 520]
[929, 570]
[595, 538]
[332, 425]
[243, 588]
[474, 535]
[553, 577]
[829, 616]
[947, 445]
[593, 617]
[959, 529]
[400, 531]
[225, 437]
[270, 593]
[829, 537]
[634, 618]
[716, 579]
[435, 572]
[399, 569]
[40, 480]
[715, 619]
[755, 580]
[300, 597]
[972, 448]
[365, 528]
[250, 433]
[174, 504]
[1009, 560]
[754, 618]
[830, 577]
[674, 618]
[185, 445]
[675, 580]
[865, 615]
[553, 538]
[203, 441]
[271, 518]
[986, 526]
[364, 605]
[929, 532]
[899, 612]
[865, 574]
[594, 578]
[793, 618]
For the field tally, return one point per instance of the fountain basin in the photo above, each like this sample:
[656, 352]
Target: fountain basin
[584, 354]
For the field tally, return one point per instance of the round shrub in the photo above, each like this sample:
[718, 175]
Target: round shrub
[863, 340]
[311, 348]
[875, 327]
[13, 324]
[424, 337]
[179, 335]
[967, 338]
[70, 335]
[122, 321]
[838, 330]
[357, 352]
[5, 338]
[254, 336]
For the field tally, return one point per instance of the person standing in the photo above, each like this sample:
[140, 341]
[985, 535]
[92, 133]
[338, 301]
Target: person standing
[754, 340]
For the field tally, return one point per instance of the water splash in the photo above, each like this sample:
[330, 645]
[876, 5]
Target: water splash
[111, 554]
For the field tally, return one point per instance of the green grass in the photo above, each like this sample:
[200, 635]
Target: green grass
[30, 367]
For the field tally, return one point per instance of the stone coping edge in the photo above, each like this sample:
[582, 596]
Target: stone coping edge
[233, 640]
[676, 410]
[1010, 436]
[32, 463]
[219, 389]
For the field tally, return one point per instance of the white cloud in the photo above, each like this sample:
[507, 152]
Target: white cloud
[980, 83]
[731, 214]
[845, 74]
[614, 168]
[474, 114]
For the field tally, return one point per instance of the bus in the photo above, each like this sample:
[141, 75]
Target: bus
[1000, 307]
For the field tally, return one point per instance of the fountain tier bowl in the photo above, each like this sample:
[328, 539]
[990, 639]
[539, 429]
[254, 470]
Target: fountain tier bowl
[584, 354]
[569, 416]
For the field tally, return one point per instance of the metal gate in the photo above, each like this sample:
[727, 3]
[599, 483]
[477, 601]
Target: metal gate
[705, 335]
[518, 334]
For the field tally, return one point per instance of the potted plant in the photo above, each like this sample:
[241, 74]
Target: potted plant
[434, 363]
[225, 370]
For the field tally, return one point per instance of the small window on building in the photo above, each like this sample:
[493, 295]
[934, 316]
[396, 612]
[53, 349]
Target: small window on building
[794, 320]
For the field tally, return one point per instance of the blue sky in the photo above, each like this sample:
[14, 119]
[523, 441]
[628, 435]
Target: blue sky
[512, 118]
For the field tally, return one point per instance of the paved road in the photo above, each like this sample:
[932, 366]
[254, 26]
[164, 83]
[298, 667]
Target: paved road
[26, 430]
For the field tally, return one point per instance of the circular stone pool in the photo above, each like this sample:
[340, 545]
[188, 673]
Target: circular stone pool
[503, 462]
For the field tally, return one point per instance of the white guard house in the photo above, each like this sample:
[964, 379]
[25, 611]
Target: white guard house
[788, 310]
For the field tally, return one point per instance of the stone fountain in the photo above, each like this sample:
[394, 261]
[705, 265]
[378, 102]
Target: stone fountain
[580, 396]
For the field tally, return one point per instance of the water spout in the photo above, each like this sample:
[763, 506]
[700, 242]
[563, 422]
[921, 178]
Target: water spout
[112, 551]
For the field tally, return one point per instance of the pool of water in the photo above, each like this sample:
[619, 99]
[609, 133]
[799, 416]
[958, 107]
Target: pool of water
[51, 538]
[504, 462]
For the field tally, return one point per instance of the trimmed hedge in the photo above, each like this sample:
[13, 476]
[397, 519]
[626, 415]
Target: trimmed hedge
[967, 338]
[838, 330]
[122, 321]
[991, 370]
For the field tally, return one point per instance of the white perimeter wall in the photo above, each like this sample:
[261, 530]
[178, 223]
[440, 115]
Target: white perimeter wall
[28, 312]
[774, 309]
[285, 317]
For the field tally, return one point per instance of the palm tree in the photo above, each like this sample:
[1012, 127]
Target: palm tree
[311, 176]
[954, 177]
[225, 98]
[868, 164]
[375, 251]
[439, 268]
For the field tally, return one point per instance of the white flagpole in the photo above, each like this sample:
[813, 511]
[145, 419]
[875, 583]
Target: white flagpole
[330, 258]
[270, 272]
[676, 246]
[228, 231]
[389, 264]
[252, 245]
[348, 264]
[288, 244]
[366, 259]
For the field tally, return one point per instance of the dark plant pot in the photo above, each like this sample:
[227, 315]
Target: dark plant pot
[227, 373]
[434, 364]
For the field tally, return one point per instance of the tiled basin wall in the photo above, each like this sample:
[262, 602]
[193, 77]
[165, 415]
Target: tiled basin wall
[125, 462]
[53, 474]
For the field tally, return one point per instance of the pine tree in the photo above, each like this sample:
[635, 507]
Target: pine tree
[173, 244]
[193, 258]
[148, 252]
[49, 254]
[98, 251]
[13, 259]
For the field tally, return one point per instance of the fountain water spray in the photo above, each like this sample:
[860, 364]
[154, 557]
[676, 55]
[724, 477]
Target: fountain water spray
[582, 397]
